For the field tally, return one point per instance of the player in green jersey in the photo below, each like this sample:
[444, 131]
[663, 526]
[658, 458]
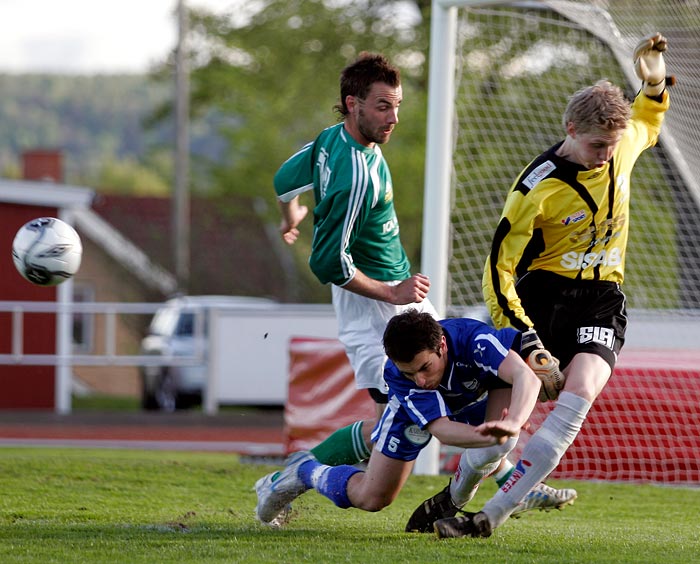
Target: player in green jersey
[356, 243]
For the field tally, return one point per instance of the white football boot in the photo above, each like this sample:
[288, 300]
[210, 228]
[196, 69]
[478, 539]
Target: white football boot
[277, 490]
[545, 498]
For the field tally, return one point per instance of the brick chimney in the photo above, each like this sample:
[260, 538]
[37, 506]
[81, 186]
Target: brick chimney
[42, 164]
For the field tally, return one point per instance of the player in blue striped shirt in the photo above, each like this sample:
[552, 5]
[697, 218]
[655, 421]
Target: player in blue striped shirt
[458, 379]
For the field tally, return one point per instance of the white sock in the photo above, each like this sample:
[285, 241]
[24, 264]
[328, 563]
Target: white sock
[474, 464]
[540, 456]
[503, 472]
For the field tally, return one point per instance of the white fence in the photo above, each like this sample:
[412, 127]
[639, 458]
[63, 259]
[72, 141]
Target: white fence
[110, 310]
[64, 358]
[247, 357]
[244, 359]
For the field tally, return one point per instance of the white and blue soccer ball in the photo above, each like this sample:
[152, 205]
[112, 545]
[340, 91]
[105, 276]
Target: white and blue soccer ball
[47, 251]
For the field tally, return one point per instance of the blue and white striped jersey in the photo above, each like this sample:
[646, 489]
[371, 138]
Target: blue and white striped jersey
[474, 352]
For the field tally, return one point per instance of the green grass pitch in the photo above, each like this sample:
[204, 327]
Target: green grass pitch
[127, 506]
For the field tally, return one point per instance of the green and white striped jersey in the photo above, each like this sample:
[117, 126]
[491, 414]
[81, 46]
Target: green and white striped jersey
[355, 224]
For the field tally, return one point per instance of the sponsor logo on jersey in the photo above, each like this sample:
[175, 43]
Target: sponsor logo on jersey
[389, 194]
[622, 182]
[416, 435]
[574, 217]
[539, 173]
[578, 261]
[471, 386]
[600, 234]
[391, 226]
[622, 186]
[601, 335]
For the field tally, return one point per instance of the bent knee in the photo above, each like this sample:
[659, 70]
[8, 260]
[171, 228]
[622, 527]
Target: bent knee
[374, 503]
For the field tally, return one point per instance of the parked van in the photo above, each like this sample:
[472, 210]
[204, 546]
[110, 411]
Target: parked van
[172, 333]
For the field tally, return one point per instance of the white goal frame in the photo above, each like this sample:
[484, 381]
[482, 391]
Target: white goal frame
[440, 135]
[440, 141]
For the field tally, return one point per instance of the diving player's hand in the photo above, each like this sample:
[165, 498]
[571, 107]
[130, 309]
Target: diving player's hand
[649, 64]
[502, 429]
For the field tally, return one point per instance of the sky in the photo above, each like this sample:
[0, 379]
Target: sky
[89, 36]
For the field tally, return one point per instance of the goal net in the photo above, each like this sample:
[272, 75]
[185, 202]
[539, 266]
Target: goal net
[512, 68]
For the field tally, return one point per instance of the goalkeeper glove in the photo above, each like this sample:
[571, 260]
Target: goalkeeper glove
[529, 341]
[546, 368]
[649, 64]
[543, 364]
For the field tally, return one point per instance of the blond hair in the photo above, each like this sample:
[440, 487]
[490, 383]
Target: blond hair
[600, 107]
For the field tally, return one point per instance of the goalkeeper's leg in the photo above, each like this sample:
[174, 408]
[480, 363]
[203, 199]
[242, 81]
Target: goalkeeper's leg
[542, 453]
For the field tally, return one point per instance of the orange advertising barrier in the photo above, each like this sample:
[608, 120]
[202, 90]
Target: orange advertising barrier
[322, 395]
[644, 426]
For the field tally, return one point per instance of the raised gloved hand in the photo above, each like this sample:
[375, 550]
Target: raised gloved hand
[649, 64]
[543, 364]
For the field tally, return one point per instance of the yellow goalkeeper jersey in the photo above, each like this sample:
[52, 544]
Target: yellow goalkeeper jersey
[566, 219]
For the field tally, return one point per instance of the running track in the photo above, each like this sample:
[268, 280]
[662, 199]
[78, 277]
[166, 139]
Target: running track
[253, 432]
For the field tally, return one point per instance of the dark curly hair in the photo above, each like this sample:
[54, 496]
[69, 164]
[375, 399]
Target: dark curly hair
[410, 333]
[358, 77]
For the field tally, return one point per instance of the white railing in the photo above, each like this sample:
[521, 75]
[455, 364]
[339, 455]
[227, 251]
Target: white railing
[109, 357]
[244, 350]
[65, 358]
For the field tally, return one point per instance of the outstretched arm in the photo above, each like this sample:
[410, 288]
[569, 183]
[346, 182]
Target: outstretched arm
[467, 436]
[649, 64]
[526, 386]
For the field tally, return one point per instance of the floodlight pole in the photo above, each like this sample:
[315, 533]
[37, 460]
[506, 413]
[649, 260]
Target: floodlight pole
[181, 203]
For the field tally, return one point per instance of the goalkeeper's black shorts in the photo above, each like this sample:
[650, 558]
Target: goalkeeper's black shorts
[573, 316]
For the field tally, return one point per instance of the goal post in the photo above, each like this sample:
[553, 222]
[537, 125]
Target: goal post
[439, 148]
[499, 79]
[464, 195]
[438, 161]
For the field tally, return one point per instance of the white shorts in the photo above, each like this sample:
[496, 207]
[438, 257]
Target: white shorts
[361, 324]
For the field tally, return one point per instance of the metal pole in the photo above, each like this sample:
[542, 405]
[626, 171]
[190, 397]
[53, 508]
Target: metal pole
[181, 204]
[438, 169]
[438, 161]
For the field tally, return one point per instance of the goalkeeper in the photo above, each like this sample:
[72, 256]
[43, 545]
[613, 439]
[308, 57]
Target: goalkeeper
[557, 262]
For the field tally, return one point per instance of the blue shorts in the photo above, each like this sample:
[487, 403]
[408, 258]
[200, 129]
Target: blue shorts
[397, 436]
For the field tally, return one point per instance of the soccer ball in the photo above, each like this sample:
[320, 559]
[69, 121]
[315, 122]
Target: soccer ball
[47, 251]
